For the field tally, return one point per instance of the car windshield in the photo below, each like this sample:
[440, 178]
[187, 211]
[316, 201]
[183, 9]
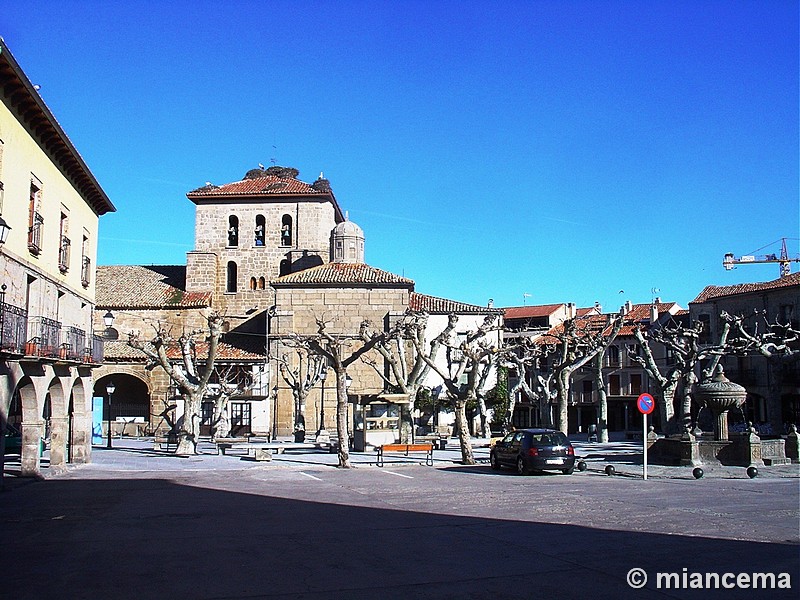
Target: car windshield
[549, 439]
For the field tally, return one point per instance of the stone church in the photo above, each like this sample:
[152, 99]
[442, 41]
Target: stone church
[272, 254]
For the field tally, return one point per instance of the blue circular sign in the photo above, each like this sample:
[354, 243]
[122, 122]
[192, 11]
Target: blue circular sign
[645, 403]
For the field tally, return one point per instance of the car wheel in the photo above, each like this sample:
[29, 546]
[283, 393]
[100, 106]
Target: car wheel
[569, 471]
[521, 468]
[493, 461]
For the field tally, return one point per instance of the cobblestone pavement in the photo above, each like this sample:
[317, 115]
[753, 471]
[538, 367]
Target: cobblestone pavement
[140, 524]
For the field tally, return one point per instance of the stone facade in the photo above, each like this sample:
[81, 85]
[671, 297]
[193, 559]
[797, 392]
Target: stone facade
[52, 203]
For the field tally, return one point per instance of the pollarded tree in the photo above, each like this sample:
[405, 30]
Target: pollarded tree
[687, 352]
[778, 343]
[527, 356]
[578, 341]
[301, 377]
[473, 356]
[190, 375]
[230, 380]
[341, 350]
[406, 365]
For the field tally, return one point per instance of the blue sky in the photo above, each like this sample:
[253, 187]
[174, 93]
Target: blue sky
[529, 152]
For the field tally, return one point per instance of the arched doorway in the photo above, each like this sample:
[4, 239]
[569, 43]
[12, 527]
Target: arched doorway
[130, 402]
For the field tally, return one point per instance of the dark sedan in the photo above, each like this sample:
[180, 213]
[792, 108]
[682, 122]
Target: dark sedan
[529, 450]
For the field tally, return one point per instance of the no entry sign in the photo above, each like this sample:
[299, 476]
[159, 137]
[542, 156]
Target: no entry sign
[645, 403]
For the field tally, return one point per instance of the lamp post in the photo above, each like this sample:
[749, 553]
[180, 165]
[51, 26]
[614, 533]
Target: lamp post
[110, 391]
[108, 321]
[4, 229]
[322, 375]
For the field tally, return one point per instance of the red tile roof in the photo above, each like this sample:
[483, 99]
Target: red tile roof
[116, 351]
[153, 286]
[271, 183]
[527, 312]
[343, 274]
[711, 292]
[432, 304]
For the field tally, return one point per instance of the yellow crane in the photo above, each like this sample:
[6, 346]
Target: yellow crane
[784, 260]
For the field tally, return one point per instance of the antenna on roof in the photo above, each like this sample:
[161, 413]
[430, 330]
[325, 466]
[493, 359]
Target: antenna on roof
[273, 160]
[525, 296]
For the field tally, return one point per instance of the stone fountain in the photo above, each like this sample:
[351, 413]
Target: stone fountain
[693, 448]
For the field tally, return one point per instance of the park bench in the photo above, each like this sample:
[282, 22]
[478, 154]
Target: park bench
[263, 450]
[223, 443]
[439, 440]
[406, 450]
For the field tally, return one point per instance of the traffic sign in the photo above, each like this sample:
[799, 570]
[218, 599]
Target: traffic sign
[645, 403]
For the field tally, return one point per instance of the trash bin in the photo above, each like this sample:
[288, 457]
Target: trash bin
[592, 433]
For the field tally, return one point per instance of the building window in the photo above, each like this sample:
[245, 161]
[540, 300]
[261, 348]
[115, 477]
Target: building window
[35, 219]
[613, 356]
[636, 384]
[613, 385]
[230, 280]
[64, 243]
[286, 230]
[233, 231]
[86, 262]
[252, 283]
[705, 333]
[588, 388]
[262, 283]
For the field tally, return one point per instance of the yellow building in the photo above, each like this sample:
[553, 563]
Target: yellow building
[49, 208]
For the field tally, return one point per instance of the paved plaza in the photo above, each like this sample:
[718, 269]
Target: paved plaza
[140, 524]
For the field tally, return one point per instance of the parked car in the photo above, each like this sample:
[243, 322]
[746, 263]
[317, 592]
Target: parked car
[529, 450]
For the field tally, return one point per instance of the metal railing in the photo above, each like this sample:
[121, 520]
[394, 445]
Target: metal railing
[63, 254]
[35, 233]
[86, 271]
[13, 328]
[96, 351]
[44, 337]
[74, 346]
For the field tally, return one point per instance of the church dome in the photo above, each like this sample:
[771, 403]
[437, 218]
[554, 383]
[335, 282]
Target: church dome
[347, 243]
[348, 228]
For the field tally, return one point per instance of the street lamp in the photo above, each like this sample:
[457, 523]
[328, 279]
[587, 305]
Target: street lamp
[4, 229]
[110, 387]
[322, 374]
[108, 321]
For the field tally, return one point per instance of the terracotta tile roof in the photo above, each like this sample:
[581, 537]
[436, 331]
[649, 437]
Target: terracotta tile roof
[527, 312]
[639, 314]
[711, 292]
[343, 274]
[120, 351]
[268, 185]
[135, 286]
[443, 306]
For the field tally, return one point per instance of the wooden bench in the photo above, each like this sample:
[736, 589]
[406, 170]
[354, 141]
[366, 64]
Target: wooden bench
[406, 449]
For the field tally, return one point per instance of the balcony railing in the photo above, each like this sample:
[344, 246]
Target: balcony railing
[63, 254]
[45, 338]
[13, 328]
[35, 233]
[86, 271]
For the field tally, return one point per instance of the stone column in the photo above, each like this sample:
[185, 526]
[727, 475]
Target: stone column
[31, 445]
[59, 431]
[81, 449]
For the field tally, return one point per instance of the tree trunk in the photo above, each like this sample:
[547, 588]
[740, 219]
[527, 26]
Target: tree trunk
[341, 420]
[189, 433]
[482, 414]
[774, 404]
[602, 400]
[686, 402]
[467, 458]
[562, 386]
[221, 424]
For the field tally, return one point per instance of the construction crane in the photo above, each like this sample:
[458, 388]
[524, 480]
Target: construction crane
[784, 260]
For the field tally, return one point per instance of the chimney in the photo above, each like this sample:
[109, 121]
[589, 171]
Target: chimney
[628, 307]
[654, 312]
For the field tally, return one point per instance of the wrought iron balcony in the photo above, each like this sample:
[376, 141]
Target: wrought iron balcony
[13, 328]
[86, 271]
[35, 233]
[63, 254]
[44, 337]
